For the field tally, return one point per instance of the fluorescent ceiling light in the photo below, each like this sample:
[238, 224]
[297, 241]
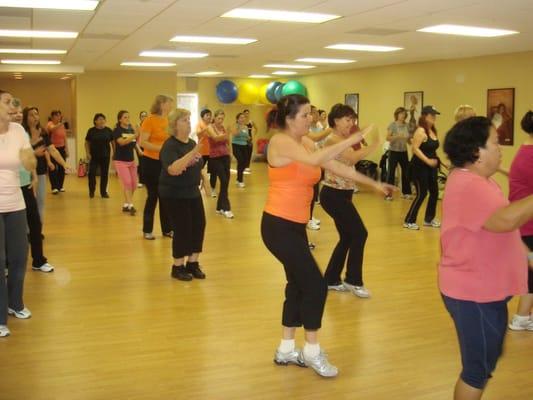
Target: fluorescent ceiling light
[38, 34]
[147, 64]
[363, 47]
[212, 39]
[293, 66]
[279, 15]
[466, 31]
[31, 51]
[259, 76]
[208, 73]
[18, 78]
[86, 5]
[326, 60]
[284, 73]
[172, 54]
[32, 62]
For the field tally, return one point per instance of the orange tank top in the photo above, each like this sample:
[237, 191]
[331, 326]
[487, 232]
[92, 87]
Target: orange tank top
[291, 191]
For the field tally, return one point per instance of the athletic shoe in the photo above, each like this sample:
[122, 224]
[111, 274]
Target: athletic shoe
[338, 286]
[241, 185]
[411, 226]
[125, 209]
[44, 268]
[149, 236]
[359, 291]
[22, 314]
[55, 191]
[315, 220]
[433, 224]
[519, 323]
[139, 185]
[292, 357]
[407, 196]
[180, 273]
[4, 331]
[168, 234]
[132, 211]
[194, 270]
[320, 364]
[62, 190]
[247, 171]
[228, 214]
[312, 226]
[388, 197]
[311, 245]
[105, 196]
[221, 212]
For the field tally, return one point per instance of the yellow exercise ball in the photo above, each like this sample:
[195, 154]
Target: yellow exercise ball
[263, 94]
[248, 93]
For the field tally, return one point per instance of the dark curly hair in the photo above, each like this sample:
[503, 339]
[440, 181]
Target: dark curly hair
[465, 138]
[340, 111]
[527, 122]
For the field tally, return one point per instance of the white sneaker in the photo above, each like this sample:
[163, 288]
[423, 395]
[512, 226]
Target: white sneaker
[55, 191]
[4, 331]
[407, 196]
[241, 184]
[388, 198]
[411, 226]
[44, 268]
[315, 220]
[339, 287]
[228, 214]
[359, 291]
[221, 212]
[434, 224]
[22, 314]
[312, 226]
[520, 323]
[139, 185]
[320, 364]
[247, 171]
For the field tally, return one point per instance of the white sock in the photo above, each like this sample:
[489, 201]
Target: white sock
[286, 345]
[311, 350]
[521, 317]
[126, 205]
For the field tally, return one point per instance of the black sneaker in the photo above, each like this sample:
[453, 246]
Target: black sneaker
[132, 210]
[180, 273]
[193, 268]
[125, 209]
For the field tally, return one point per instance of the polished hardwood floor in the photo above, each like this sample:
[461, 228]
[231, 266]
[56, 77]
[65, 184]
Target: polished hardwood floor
[110, 323]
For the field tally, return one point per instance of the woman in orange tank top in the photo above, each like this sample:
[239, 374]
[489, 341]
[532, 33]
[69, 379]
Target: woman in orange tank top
[294, 167]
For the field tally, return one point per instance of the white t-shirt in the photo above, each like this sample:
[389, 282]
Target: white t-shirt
[11, 143]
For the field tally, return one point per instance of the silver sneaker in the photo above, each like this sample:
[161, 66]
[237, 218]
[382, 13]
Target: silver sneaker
[320, 364]
[359, 291]
[433, 224]
[22, 314]
[339, 287]
[4, 331]
[292, 357]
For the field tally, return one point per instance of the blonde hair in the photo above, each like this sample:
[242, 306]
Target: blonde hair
[158, 101]
[174, 115]
[219, 112]
[464, 111]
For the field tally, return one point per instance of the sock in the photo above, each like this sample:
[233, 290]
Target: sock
[286, 345]
[311, 350]
[126, 205]
[521, 318]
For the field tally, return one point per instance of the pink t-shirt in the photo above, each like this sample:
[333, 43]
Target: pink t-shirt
[521, 181]
[218, 148]
[10, 145]
[478, 265]
[58, 136]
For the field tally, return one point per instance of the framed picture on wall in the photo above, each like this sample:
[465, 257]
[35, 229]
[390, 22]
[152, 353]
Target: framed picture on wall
[413, 103]
[352, 100]
[500, 110]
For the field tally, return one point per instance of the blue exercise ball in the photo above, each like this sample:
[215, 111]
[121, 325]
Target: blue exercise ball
[277, 92]
[227, 92]
[271, 91]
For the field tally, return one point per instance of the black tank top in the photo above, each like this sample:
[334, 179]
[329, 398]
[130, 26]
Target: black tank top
[429, 149]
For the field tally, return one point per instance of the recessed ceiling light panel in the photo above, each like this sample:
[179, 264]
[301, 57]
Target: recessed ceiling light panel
[279, 15]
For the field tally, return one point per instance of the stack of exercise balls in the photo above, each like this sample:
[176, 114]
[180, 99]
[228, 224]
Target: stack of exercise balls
[248, 93]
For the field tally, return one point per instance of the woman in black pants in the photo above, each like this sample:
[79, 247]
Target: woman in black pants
[220, 161]
[424, 169]
[179, 183]
[398, 136]
[239, 143]
[98, 147]
[336, 199]
[153, 135]
[293, 169]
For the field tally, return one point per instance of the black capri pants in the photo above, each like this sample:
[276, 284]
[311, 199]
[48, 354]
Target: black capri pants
[187, 219]
[306, 289]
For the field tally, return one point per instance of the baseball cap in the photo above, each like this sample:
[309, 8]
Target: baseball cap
[430, 110]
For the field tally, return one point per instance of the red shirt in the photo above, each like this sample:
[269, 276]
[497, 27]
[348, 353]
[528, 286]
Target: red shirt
[521, 181]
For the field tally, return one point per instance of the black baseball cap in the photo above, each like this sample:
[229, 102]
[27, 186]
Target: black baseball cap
[430, 110]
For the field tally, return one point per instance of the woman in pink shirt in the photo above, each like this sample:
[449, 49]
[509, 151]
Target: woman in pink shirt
[58, 136]
[520, 186]
[483, 261]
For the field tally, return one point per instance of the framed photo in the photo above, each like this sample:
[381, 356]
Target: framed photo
[352, 100]
[413, 103]
[500, 110]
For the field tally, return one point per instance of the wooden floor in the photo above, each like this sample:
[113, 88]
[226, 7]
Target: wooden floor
[109, 323]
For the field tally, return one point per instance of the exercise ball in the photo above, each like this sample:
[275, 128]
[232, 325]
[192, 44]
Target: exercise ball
[263, 98]
[226, 92]
[277, 92]
[294, 87]
[248, 93]
[271, 89]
